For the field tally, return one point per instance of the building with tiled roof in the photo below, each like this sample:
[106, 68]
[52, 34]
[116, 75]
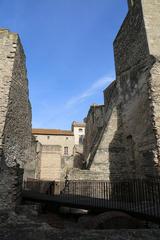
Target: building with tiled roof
[58, 149]
[41, 131]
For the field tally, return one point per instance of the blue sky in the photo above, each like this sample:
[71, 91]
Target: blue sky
[68, 46]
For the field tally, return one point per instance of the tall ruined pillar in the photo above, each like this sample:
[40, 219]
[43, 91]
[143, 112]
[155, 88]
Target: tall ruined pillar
[137, 58]
[15, 118]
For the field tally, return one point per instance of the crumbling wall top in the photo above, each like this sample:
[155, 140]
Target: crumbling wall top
[131, 44]
[15, 111]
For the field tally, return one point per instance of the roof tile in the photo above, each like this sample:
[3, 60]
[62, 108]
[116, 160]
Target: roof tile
[40, 131]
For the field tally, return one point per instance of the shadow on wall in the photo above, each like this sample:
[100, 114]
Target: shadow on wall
[78, 161]
[133, 146]
[117, 157]
[133, 150]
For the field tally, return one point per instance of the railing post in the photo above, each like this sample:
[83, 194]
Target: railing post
[153, 198]
[136, 195]
[158, 198]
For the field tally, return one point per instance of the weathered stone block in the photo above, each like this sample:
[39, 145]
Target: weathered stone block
[15, 118]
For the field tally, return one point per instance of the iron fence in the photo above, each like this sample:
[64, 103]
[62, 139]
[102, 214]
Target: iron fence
[39, 186]
[136, 195]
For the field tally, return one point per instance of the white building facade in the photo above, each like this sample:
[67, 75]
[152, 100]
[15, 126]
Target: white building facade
[78, 130]
[56, 137]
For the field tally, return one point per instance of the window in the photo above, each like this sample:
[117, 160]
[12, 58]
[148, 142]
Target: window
[81, 137]
[80, 130]
[65, 150]
[48, 137]
[66, 138]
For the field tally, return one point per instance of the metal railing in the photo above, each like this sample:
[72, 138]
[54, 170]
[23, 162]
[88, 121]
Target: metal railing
[39, 186]
[137, 195]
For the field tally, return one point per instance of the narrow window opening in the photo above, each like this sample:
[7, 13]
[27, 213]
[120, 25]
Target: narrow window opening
[65, 150]
[81, 137]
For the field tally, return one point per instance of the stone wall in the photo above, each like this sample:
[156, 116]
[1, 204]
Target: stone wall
[129, 143]
[100, 161]
[32, 167]
[94, 124]
[139, 41]
[151, 20]
[87, 175]
[151, 15]
[131, 45]
[15, 117]
[57, 139]
[51, 163]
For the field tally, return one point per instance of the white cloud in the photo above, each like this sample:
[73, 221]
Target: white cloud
[95, 87]
[45, 117]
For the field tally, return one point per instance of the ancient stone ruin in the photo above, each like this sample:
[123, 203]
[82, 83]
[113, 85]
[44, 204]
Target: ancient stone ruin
[122, 136]
[125, 142]
[122, 141]
[15, 119]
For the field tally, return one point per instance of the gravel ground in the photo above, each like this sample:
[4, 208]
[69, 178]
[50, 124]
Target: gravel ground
[44, 233]
[52, 226]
